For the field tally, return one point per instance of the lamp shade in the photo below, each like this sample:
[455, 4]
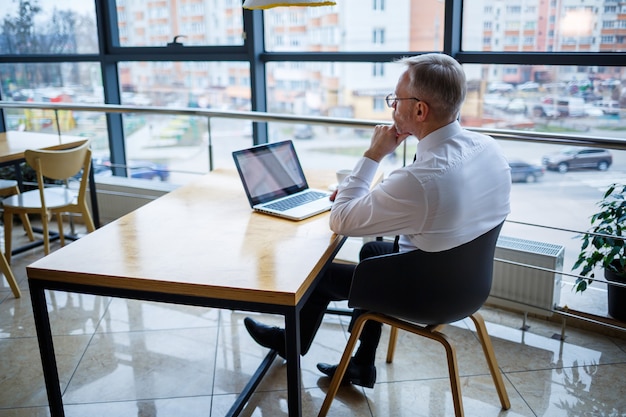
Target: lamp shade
[268, 4]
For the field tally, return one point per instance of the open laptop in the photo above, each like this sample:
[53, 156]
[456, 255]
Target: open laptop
[275, 184]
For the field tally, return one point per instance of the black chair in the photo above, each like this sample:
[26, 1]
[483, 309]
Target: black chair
[420, 292]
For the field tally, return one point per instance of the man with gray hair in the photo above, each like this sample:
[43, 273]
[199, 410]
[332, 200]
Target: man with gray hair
[457, 189]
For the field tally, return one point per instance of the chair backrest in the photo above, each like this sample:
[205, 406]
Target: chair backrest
[59, 164]
[427, 287]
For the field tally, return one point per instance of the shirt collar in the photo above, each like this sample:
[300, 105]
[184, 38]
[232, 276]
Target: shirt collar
[434, 138]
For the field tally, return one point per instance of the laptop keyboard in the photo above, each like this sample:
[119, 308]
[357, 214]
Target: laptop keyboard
[296, 200]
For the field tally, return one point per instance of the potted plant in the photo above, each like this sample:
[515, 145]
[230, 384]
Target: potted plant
[603, 246]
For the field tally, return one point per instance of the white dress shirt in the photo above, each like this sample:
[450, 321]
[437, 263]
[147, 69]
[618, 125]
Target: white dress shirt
[457, 189]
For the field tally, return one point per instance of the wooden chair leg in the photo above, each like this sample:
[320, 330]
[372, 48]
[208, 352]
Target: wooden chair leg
[8, 231]
[27, 227]
[453, 371]
[25, 222]
[46, 232]
[88, 220]
[391, 347]
[8, 273]
[393, 338]
[357, 327]
[485, 341]
[434, 333]
[60, 228]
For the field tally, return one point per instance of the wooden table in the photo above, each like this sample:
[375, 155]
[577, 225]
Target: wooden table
[201, 245]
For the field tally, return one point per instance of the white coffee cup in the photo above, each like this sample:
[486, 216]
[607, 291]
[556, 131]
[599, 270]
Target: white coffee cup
[342, 174]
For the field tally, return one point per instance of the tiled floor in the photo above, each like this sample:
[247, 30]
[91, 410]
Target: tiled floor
[120, 357]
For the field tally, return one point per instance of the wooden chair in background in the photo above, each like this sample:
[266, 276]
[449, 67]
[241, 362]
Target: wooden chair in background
[47, 200]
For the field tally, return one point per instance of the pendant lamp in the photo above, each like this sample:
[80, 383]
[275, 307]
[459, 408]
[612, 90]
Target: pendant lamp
[268, 4]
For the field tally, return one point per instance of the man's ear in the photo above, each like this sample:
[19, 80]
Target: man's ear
[422, 110]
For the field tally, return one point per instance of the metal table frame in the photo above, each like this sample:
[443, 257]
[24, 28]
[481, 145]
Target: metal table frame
[292, 332]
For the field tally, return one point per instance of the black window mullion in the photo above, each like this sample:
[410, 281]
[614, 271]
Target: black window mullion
[117, 142]
[453, 31]
[106, 16]
[254, 42]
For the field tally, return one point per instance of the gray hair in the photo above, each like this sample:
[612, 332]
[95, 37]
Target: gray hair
[439, 80]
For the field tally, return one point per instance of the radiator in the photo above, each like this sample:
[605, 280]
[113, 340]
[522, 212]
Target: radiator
[118, 196]
[524, 288]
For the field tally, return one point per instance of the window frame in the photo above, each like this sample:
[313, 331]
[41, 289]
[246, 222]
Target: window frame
[252, 50]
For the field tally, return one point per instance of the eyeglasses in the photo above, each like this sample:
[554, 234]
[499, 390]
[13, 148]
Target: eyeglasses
[392, 100]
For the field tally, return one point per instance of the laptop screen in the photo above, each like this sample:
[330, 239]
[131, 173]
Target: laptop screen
[270, 171]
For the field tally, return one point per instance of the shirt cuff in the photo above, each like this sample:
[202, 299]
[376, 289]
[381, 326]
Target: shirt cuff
[366, 169]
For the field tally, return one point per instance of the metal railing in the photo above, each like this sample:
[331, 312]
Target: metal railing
[502, 134]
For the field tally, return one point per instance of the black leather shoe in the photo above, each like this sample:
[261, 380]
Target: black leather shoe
[271, 337]
[362, 375]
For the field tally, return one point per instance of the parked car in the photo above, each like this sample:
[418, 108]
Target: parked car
[564, 106]
[524, 172]
[136, 169]
[498, 87]
[148, 170]
[518, 106]
[301, 131]
[545, 110]
[610, 107]
[593, 111]
[528, 87]
[576, 158]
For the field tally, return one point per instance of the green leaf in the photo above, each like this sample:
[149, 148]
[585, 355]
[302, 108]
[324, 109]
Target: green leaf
[581, 286]
[598, 250]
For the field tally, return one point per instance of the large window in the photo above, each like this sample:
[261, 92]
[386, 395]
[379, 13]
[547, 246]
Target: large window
[55, 82]
[544, 96]
[207, 65]
[353, 26]
[572, 26]
[549, 67]
[179, 143]
[578, 100]
[48, 27]
[156, 23]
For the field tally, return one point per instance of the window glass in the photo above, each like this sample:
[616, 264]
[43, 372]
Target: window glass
[569, 100]
[564, 26]
[557, 99]
[62, 82]
[48, 27]
[356, 25]
[349, 90]
[157, 22]
[179, 144]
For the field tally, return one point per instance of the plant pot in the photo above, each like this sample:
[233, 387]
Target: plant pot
[616, 295]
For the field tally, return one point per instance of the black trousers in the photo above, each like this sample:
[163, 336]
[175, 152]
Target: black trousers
[335, 286]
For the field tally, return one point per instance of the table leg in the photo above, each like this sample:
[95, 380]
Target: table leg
[95, 211]
[292, 335]
[255, 380]
[46, 349]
